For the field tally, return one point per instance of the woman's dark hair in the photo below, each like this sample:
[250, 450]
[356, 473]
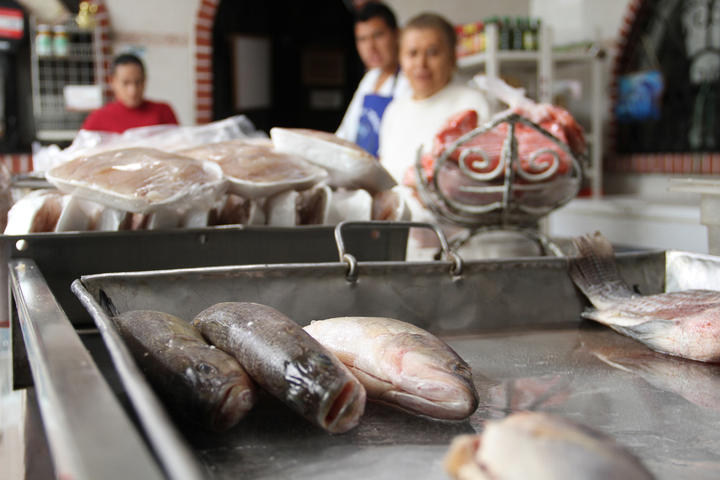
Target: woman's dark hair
[127, 59]
[435, 22]
[377, 10]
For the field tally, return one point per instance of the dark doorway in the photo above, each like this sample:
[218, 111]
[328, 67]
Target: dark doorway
[284, 63]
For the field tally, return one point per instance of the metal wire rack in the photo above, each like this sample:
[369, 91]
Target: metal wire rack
[471, 188]
[51, 73]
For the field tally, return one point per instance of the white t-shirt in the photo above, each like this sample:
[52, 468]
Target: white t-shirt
[390, 88]
[408, 124]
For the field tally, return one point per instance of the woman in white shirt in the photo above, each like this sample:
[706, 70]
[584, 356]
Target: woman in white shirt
[376, 38]
[427, 58]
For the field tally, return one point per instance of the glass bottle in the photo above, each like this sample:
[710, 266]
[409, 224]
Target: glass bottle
[60, 41]
[43, 41]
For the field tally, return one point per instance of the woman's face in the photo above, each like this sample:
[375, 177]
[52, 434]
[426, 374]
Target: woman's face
[377, 44]
[128, 84]
[427, 61]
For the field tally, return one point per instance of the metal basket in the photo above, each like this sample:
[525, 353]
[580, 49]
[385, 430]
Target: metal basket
[512, 195]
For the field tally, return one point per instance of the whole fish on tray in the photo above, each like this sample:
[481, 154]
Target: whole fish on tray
[542, 447]
[401, 365]
[287, 362]
[685, 324]
[196, 379]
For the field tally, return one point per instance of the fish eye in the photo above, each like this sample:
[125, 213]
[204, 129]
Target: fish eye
[204, 368]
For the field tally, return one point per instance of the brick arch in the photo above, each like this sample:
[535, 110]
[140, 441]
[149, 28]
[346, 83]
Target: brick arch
[203, 60]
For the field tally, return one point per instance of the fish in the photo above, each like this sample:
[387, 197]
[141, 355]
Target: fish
[348, 165]
[287, 362]
[683, 324]
[256, 170]
[696, 382]
[540, 446]
[140, 180]
[197, 380]
[401, 365]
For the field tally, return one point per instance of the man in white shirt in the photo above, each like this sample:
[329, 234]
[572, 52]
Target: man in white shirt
[376, 38]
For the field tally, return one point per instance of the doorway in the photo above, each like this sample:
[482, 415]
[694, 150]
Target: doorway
[284, 63]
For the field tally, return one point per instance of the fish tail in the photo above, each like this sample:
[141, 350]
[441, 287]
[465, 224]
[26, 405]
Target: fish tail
[595, 272]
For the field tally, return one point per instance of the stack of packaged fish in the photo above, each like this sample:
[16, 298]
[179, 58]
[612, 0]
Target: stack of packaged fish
[300, 177]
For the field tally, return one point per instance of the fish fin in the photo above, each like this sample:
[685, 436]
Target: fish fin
[594, 270]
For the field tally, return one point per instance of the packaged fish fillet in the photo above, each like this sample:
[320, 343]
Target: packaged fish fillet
[349, 166]
[256, 170]
[140, 180]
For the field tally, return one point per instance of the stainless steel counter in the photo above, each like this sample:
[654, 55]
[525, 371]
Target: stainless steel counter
[515, 321]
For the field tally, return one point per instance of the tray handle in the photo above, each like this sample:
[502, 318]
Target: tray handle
[457, 263]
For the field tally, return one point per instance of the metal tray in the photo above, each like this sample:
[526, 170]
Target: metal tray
[63, 257]
[515, 321]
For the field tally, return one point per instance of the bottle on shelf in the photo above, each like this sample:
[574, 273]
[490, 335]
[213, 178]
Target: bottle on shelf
[61, 47]
[43, 41]
[517, 34]
[505, 36]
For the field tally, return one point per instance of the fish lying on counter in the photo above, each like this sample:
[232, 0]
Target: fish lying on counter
[287, 362]
[685, 324]
[401, 365]
[540, 446]
[197, 380]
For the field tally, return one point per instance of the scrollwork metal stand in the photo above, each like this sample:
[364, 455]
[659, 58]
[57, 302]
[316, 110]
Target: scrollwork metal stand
[509, 196]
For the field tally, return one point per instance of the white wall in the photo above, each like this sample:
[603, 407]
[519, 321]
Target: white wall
[163, 32]
[459, 11]
[581, 20]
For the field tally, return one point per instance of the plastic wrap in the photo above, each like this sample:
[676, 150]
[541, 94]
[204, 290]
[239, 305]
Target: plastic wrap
[140, 180]
[348, 165]
[255, 170]
[162, 137]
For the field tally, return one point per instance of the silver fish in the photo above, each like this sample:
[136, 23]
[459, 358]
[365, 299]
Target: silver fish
[195, 379]
[401, 365]
[542, 447]
[287, 362]
[685, 324]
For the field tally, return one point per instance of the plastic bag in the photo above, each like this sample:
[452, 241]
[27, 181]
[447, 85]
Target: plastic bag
[161, 137]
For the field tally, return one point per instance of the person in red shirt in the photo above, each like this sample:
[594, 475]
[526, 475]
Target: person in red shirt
[130, 109]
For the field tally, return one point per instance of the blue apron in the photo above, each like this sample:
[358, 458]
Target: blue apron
[369, 125]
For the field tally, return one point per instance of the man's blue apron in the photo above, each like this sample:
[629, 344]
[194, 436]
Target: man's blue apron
[369, 125]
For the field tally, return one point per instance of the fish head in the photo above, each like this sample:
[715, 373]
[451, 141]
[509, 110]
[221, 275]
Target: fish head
[218, 379]
[428, 377]
[335, 402]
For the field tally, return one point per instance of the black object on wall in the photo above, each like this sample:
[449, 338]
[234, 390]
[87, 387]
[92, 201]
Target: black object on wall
[16, 129]
[313, 68]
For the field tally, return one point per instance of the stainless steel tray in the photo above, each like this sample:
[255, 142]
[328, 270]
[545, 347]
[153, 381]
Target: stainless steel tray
[515, 321]
[63, 257]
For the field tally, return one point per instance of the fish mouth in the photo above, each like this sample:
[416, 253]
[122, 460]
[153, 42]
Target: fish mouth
[449, 397]
[345, 409]
[237, 400]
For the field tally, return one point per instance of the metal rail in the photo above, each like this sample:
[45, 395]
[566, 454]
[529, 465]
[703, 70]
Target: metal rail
[88, 432]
